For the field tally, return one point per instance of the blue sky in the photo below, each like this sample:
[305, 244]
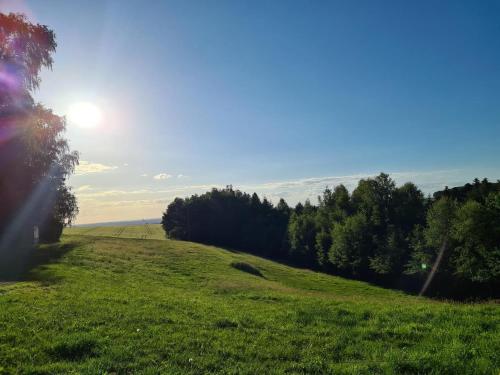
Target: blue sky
[281, 97]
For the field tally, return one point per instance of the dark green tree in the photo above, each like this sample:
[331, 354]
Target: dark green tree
[431, 248]
[302, 231]
[476, 231]
[352, 246]
[333, 207]
[229, 217]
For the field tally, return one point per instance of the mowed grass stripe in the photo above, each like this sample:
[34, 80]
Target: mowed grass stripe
[145, 231]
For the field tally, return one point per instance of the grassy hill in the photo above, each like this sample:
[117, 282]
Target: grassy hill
[98, 304]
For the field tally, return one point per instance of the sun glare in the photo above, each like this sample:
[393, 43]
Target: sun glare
[84, 115]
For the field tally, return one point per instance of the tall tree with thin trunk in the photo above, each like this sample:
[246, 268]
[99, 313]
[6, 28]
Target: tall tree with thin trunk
[35, 159]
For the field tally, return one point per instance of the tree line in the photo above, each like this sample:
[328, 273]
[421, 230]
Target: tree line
[230, 218]
[382, 233]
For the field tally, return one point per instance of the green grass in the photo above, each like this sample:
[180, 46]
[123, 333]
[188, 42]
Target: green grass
[120, 305]
[147, 231]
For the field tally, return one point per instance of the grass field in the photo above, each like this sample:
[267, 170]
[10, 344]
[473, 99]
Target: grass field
[103, 305]
[147, 231]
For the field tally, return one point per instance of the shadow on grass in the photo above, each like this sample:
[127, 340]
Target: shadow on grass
[29, 263]
[248, 268]
[74, 348]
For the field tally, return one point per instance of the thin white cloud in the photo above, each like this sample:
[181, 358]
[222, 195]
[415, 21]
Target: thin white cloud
[162, 176]
[111, 193]
[144, 175]
[85, 167]
[83, 188]
[117, 204]
[292, 190]
[310, 188]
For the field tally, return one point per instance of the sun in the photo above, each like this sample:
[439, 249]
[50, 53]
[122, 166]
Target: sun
[84, 115]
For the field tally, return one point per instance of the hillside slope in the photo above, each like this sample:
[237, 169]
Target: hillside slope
[114, 305]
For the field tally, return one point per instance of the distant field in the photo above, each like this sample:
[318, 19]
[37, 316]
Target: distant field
[103, 305]
[145, 231]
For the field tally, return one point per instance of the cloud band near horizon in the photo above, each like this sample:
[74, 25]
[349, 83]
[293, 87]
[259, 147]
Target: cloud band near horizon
[98, 205]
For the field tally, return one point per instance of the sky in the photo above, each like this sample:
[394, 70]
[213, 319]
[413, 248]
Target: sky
[279, 97]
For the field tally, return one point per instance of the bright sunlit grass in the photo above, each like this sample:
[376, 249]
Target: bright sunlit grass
[121, 305]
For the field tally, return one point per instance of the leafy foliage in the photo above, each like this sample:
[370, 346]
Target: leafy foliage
[35, 158]
[351, 245]
[228, 217]
[476, 231]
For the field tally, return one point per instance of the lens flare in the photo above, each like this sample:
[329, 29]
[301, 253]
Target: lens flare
[84, 115]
